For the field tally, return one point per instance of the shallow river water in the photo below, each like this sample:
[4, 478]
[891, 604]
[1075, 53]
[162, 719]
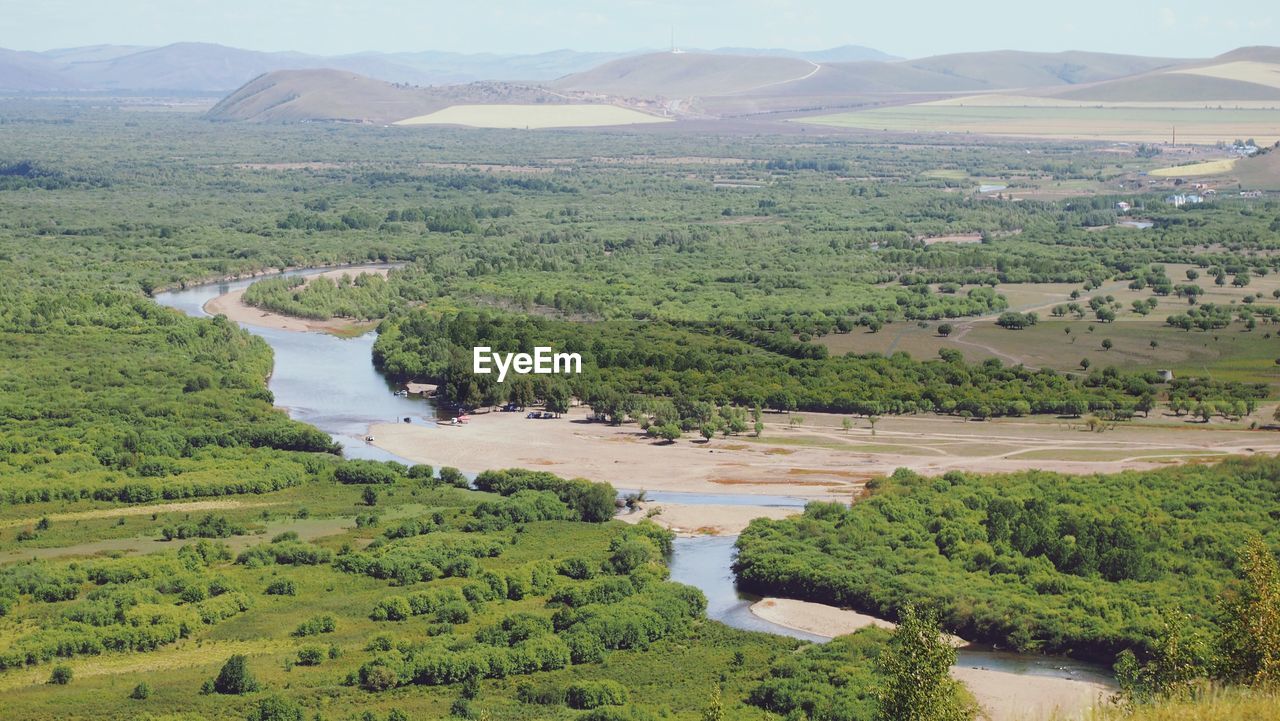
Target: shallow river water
[330, 382]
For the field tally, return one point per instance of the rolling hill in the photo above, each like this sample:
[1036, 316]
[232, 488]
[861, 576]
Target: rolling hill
[342, 96]
[677, 75]
[30, 72]
[1246, 74]
[745, 84]
[209, 68]
[1018, 69]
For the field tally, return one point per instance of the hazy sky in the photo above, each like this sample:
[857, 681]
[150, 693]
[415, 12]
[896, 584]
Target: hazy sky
[908, 28]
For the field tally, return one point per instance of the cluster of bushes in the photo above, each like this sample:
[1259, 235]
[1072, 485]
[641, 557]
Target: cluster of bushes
[833, 681]
[209, 526]
[590, 501]
[425, 559]
[134, 605]
[521, 507]
[286, 553]
[315, 626]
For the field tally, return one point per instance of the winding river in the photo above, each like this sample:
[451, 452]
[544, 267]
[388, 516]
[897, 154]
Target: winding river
[331, 383]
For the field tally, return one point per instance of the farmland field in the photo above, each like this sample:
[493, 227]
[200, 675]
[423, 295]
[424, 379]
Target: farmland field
[534, 116]
[1210, 167]
[1194, 125]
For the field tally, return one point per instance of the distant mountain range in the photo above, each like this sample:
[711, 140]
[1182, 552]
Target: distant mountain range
[208, 68]
[689, 85]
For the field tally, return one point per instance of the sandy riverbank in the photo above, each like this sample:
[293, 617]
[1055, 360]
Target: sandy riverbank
[690, 520]
[1003, 695]
[232, 305]
[1006, 696]
[622, 455]
[816, 618]
[818, 459]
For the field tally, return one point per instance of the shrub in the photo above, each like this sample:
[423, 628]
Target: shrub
[276, 708]
[315, 625]
[577, 568]
[61, 675]
[141, 691]
[392, 608]
[282, 587]
[364, 472]
[453, 477]
[311, 656]
[594, 694]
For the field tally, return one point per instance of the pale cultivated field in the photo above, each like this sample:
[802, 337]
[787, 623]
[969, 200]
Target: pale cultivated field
[534, 116]
[1209, 167]
[1199, 125]
[1247, 71]
[997, 100]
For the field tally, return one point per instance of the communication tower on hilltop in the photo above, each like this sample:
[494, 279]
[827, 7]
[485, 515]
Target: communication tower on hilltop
[674, 50]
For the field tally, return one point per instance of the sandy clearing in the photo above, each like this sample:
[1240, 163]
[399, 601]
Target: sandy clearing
[1006, 696]
[816, 618]
[534, 116]
[232, 305]
[818, 460]
[689, 520]
[1003, 695]
[188, 507]
[623, 456]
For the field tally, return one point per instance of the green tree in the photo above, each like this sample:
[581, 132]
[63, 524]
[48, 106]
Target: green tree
[846, 424]
[61, 675]
[917, 663]
[1176, 662]
[557, 400]
[369, 496]
[872, 420]
[1248, 646]
[944, 329]
[1107, 344]
[235, 677]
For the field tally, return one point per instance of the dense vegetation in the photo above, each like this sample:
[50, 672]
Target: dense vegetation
[109, 397]
[1081, 565]
[167, 532]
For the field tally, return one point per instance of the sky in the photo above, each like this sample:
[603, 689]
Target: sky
[908, 28]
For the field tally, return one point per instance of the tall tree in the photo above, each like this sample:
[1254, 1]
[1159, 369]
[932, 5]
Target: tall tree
[1249, 643]
[917, 662]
